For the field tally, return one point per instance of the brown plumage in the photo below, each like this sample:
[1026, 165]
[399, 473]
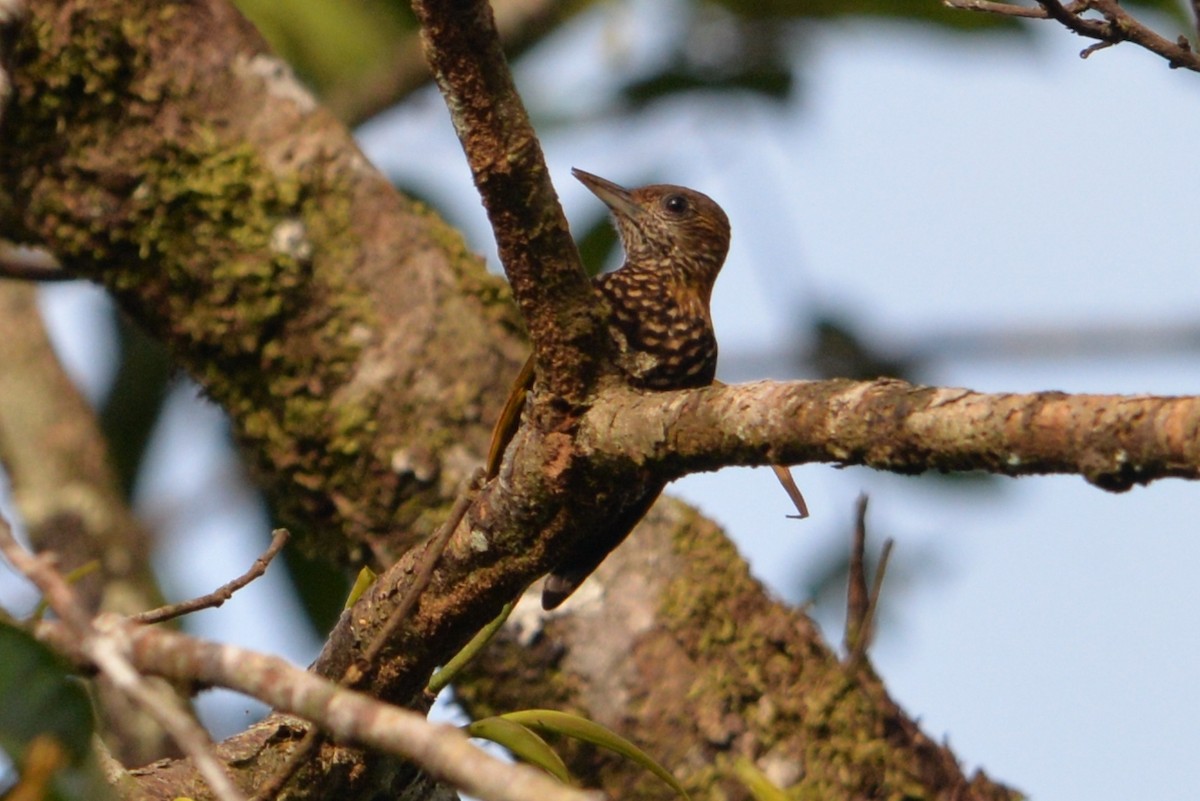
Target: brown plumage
[675, 241]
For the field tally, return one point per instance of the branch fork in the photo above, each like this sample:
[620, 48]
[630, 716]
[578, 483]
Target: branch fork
[1114, 25]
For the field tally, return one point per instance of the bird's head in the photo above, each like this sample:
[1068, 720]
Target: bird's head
[666, 227]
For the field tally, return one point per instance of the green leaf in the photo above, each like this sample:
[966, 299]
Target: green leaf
[39, 697]
[439, 680]
[561, 723]
[524, 744]
[762, 788]
[365, 578]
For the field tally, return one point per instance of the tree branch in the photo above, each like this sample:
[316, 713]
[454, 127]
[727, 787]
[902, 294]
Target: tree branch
[535, 245]
[553, 490]
[1113, 441]
[237, 221]
[229, 215]
[673, 642]
[221, 594]
[1115, 27]
[348, 715]
[520, 23]
[57, 462]
[100, 647]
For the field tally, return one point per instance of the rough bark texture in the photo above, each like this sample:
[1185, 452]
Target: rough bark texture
[673, 643]
[1114, 441]
[555, 297]
[159, 150]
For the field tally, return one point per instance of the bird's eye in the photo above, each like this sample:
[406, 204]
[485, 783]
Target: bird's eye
[675, 204]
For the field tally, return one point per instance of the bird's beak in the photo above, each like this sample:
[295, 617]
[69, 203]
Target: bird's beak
[616, 197]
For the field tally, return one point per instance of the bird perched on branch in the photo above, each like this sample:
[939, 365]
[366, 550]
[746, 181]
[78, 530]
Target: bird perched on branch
[675, 241]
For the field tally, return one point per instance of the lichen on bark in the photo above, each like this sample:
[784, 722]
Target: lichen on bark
[162, 152]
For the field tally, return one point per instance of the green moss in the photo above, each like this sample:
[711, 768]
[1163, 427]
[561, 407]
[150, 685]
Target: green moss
[834, 720]
[493, 291]
[352, 424]
[182, 226]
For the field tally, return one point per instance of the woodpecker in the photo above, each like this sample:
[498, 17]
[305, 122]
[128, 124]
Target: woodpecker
[675, 241]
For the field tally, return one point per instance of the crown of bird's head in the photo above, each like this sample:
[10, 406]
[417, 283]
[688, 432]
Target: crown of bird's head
[665, 225]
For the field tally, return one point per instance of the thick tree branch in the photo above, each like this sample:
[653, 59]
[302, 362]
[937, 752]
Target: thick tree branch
[535, 245]
[1114, 441]
[351, 339]
[191, 174]
[674, 643]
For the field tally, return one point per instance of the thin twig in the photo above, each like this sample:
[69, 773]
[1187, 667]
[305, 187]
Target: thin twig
[1123, 27]
[1115, 27]
[433, 552]
[223, 593]
[1093, 28]
[992, 7]
[1098, 46]
[876, 588]
[106, 650]
[861, 603]
[857, 597]
[784, 474]
[30, 264]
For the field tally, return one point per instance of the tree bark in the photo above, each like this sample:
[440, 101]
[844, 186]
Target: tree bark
[673, 643]
[357, 345]
[67, 496]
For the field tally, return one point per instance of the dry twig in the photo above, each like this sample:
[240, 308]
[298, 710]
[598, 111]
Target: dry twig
[105, 647]
[433, 551]
[1114, 26]
[120, 649]
[861, 601]
[223, 593]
